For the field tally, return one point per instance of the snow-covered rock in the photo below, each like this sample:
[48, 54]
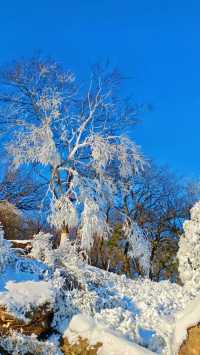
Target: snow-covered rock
[25, 245]
[97, 334]
[26, 307]
[186, 336]
[23, 297]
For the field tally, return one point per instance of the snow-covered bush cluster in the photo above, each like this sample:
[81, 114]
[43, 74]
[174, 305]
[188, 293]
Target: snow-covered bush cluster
[42, 247]
[66, 255]
[142, 311]
[19, 344]
[189, 251]
[14, 266]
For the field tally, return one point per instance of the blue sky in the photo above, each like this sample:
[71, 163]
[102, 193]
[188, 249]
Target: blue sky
[157, 43]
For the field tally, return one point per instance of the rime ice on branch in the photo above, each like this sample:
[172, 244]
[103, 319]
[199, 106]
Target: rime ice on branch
[139, 249]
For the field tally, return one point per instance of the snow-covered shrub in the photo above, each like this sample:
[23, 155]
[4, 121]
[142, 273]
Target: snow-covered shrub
[189, 250]
[42, 247]
[19, 344]
[139, 249]
[6, 254]
[65, 256]
[63, 308]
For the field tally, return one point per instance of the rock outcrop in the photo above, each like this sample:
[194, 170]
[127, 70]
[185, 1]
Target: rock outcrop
[39, 322]
[22, 244]
[81, 346]
[26, 307]
[191, 346]
[186, 335]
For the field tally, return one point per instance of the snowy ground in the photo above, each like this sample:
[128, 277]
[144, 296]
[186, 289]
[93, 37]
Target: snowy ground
[139, 312]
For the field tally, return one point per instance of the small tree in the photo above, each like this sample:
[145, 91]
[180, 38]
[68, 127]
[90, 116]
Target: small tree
[75, 136]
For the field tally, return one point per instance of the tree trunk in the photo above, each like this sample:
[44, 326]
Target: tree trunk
[63, 235]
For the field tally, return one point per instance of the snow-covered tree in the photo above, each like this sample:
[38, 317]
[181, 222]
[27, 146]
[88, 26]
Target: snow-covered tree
[75, 137]
[189, 250]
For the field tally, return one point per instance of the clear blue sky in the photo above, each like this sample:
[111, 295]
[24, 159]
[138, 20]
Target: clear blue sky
[155, 42]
